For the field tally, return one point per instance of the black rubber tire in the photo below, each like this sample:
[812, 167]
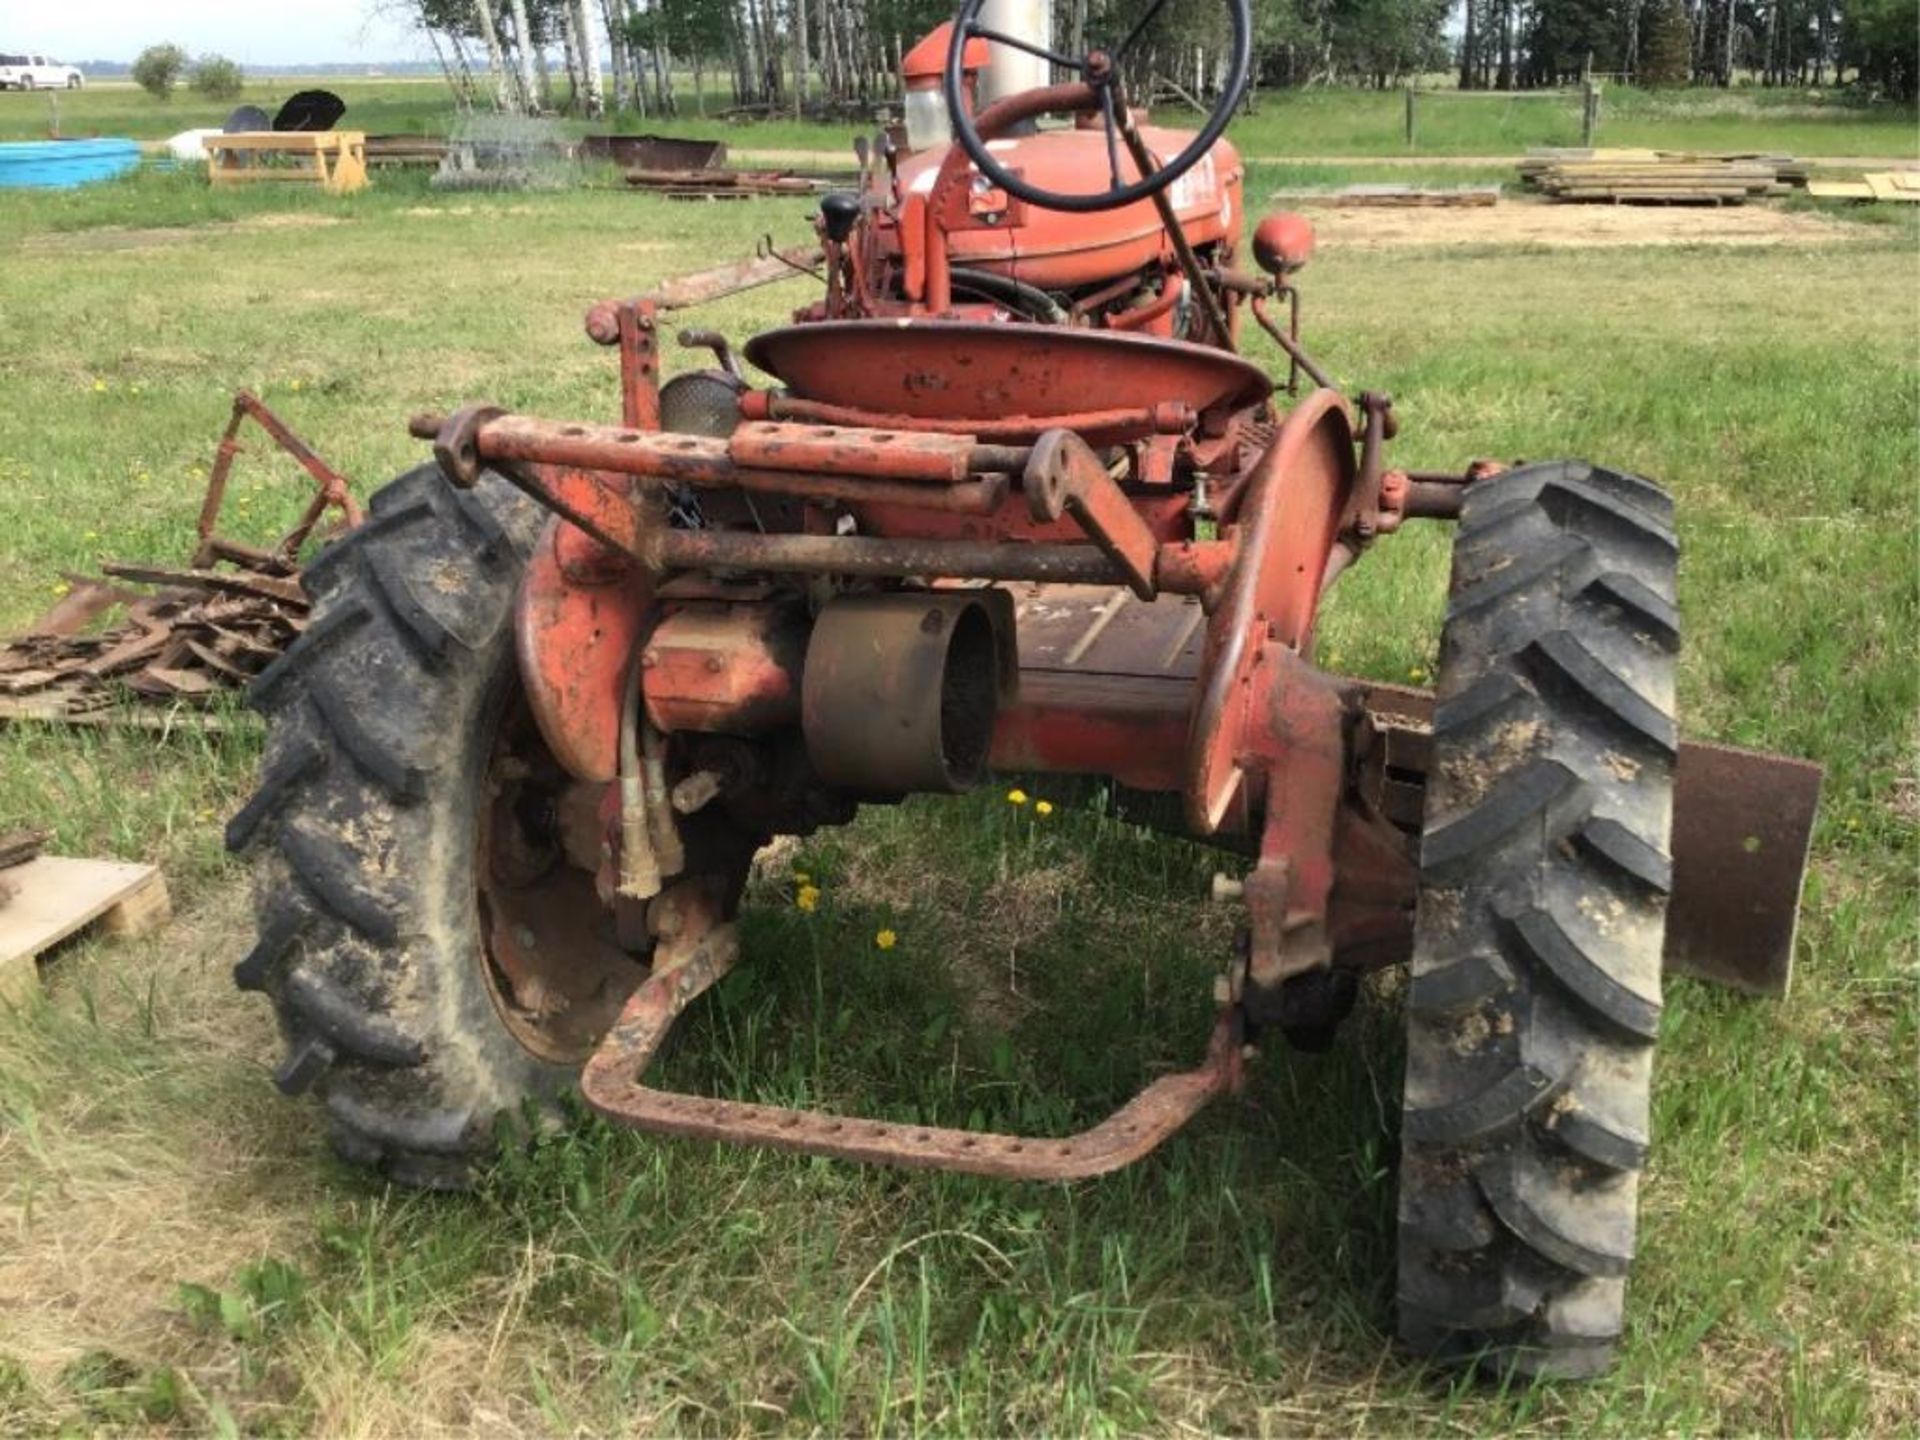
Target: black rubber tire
[1534, 999]
[362, 832]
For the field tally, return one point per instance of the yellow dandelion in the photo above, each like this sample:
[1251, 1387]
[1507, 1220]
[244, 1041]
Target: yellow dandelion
[801, 877]
[1043, 807]
[61, 587]
[1016, 797]
[295, 385]
[134, 389]
[886, 940]
[99, 387]
[1417, 673]
[807, 898]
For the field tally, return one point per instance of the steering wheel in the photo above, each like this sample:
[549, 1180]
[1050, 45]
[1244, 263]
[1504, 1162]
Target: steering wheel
[1100, 72]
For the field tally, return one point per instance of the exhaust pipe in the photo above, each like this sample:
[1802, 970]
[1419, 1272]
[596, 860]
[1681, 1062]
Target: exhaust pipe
[1010, 71]
[901, 691]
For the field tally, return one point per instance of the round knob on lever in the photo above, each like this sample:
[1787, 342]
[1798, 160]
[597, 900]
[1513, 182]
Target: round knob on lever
[1282, 243]
[839, 211]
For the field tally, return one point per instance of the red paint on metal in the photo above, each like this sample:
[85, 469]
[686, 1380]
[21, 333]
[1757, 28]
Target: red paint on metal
[1283, 242]
[1096, 427]
[728, 669]
[843, 450]
[1064, 475]
[574, 644]
[958, 370]
[639, 363]
[927, 60]
[1286, 529]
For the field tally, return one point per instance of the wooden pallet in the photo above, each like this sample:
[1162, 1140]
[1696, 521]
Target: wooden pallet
[56, 897]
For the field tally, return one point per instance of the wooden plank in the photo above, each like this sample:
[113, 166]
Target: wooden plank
[56, 897]
[1886, 187]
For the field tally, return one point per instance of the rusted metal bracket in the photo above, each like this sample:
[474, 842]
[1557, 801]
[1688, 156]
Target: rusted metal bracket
[1064, 474]
[331, 493]
[611, 1085]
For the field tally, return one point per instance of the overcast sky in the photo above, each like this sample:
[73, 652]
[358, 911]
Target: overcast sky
[254, 32]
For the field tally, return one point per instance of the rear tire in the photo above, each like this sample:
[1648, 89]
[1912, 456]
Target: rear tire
[382, 829]
[1535, 992]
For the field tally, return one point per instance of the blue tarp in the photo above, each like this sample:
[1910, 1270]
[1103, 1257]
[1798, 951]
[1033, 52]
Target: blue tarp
[61, 164]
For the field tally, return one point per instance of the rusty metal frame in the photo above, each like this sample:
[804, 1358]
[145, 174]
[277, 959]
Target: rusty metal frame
[611, 1083]
[331, 493]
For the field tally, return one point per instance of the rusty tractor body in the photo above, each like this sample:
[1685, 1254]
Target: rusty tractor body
[1017, 503]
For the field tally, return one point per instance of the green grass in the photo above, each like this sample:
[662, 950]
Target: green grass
[121, 108]
[1311, 122]
[180, 1253]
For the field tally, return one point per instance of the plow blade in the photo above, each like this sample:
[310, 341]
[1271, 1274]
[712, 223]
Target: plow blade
[1115, 676]
[1742, 822]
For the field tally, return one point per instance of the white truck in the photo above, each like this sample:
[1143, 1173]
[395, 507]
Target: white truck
[38, 72]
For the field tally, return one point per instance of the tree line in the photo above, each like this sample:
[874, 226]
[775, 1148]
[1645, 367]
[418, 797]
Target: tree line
[843, 56]
[1520, 44]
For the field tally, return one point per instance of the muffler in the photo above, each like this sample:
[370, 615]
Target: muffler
[901, 691]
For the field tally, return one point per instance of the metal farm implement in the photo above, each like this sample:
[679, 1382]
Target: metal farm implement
[1016, 503]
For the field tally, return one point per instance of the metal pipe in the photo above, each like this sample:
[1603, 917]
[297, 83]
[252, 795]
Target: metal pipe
[866, 555]
[1169, 417]
[1434, 499]
[689, 459]
[1292, 347]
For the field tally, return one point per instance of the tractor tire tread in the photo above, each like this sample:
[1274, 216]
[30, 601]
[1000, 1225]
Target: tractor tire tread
[1534, 999]
[352, 884]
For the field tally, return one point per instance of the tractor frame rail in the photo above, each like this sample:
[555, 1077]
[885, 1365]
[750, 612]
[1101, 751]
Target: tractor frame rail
[611, 1085]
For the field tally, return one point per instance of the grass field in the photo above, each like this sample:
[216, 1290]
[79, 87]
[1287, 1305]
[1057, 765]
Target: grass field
[178, 1251]
[1285, 123]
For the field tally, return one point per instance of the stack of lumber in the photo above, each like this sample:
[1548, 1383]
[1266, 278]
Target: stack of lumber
[1654, 177]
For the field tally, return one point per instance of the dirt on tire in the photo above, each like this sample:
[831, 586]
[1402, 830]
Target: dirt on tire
[1534, 998]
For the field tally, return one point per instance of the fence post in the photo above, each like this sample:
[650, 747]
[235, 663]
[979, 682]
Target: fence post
[1410, 95]
[1589, 112]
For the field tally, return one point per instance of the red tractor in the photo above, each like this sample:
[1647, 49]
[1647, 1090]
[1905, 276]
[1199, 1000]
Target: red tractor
[1017, 502]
